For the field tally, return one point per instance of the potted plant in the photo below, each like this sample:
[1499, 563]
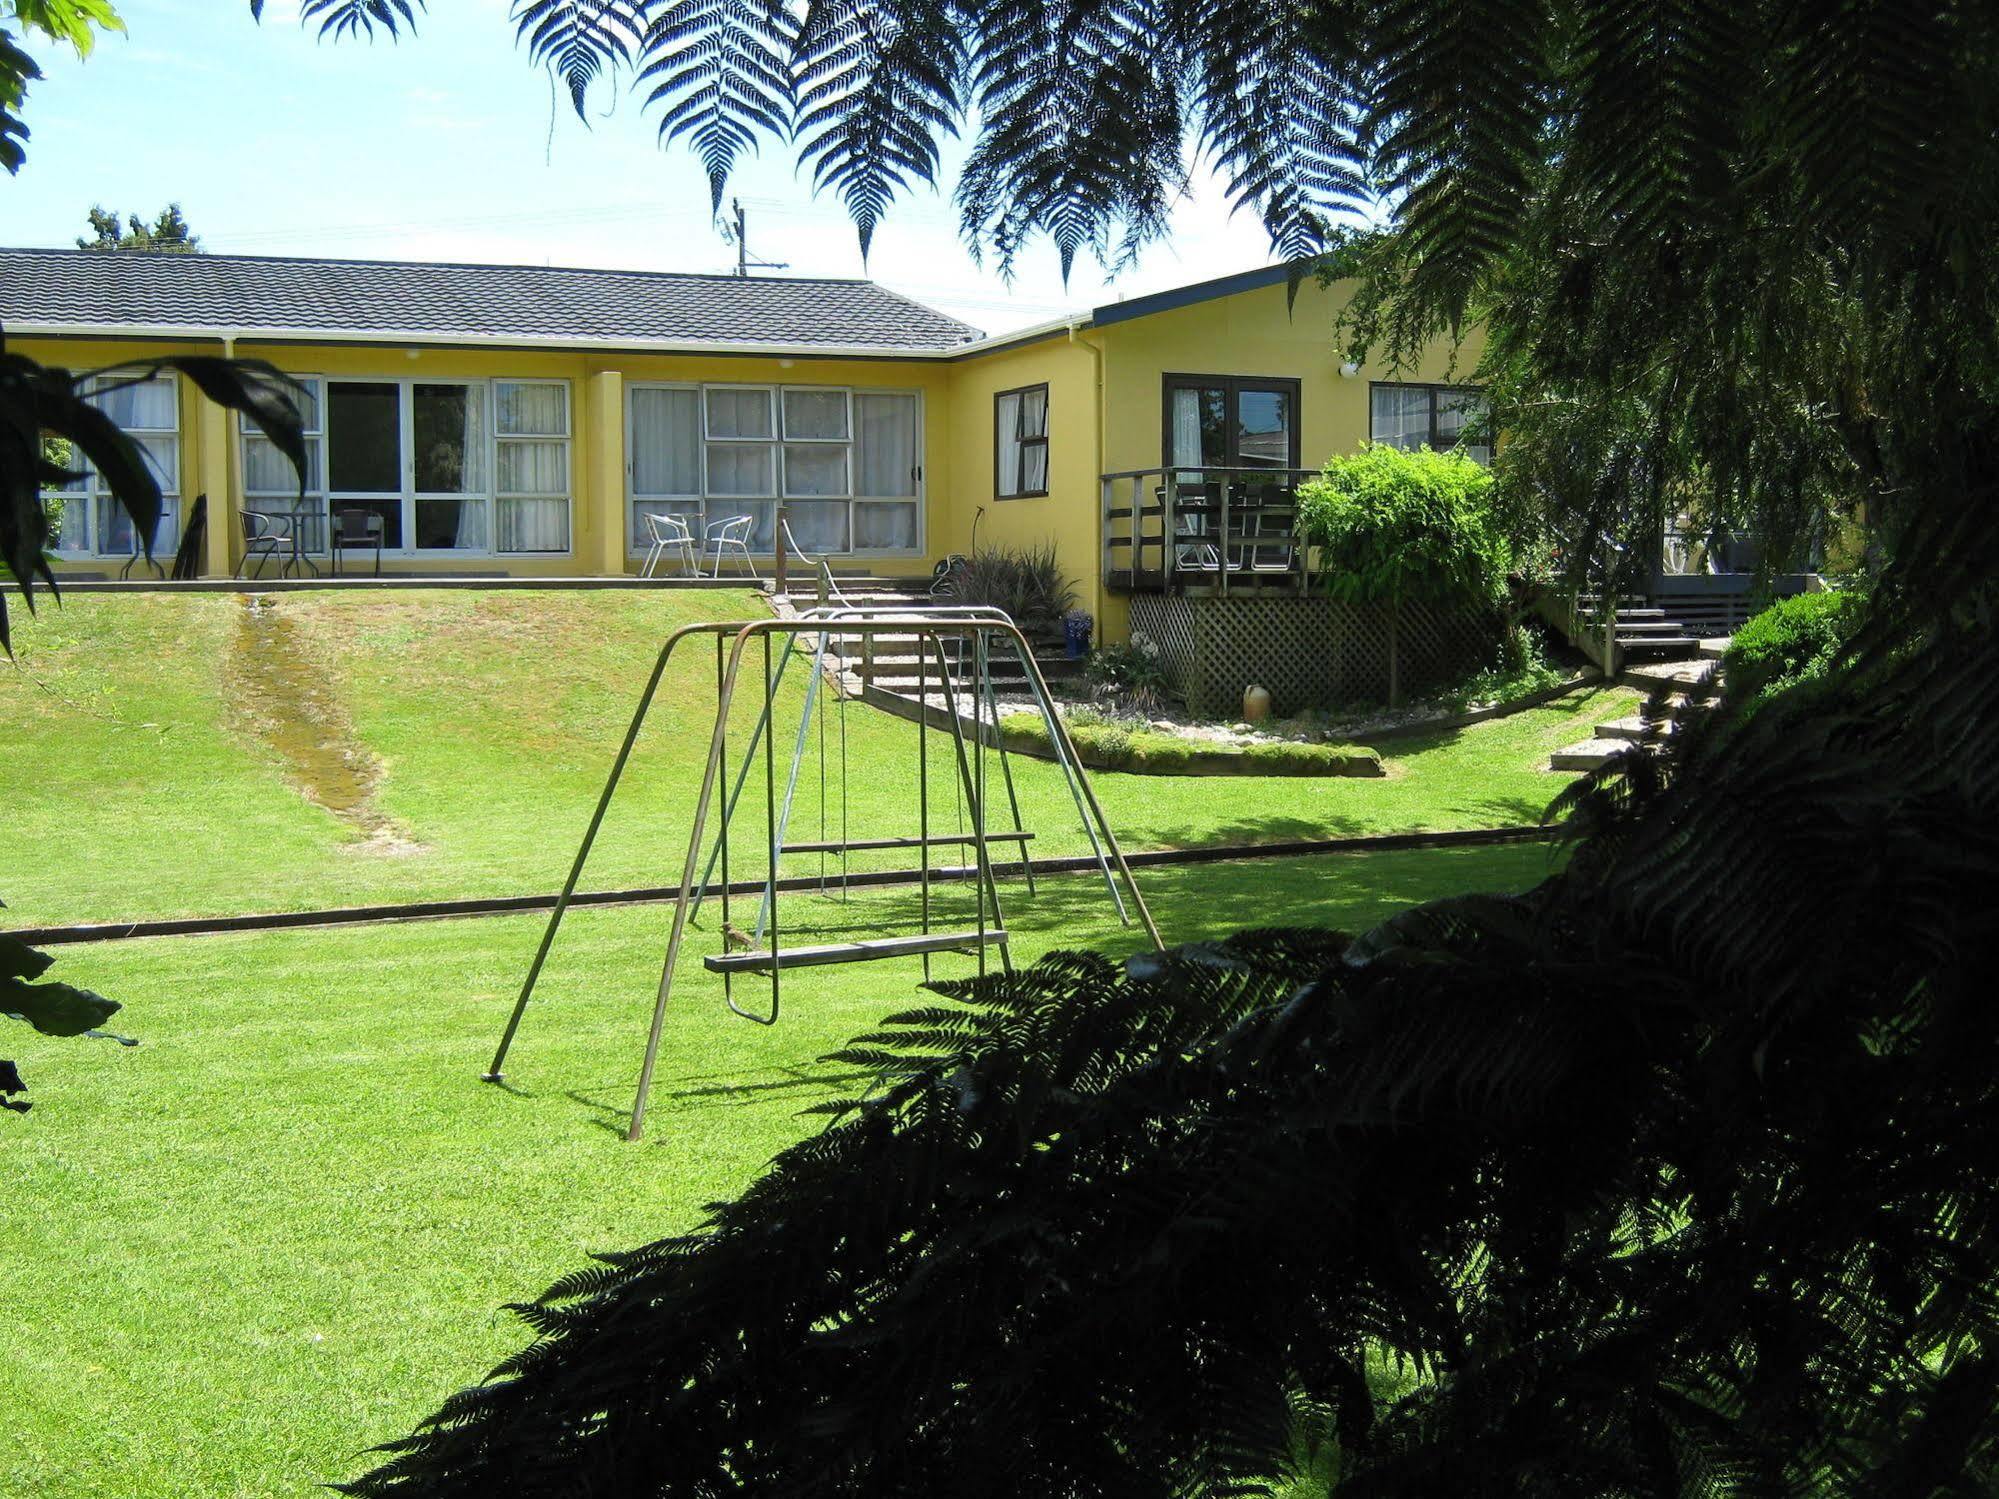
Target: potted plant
[1076, 627]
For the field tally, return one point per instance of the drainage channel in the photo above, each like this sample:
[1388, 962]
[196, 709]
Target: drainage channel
[513, 905]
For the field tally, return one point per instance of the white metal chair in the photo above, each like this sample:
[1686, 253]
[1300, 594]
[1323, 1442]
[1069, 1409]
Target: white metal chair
[264, 537]
[733, 532]
[670, 534]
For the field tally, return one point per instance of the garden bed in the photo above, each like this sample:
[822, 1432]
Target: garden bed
[1149, 751]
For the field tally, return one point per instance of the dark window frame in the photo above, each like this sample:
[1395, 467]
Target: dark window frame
[1232, 387]
[1022, 442]
[1436, 388]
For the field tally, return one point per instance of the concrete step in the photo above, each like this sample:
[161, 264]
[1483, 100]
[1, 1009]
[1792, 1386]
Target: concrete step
[1635, 728]
[1684, 645]
[1715, 647]
[1588, 754]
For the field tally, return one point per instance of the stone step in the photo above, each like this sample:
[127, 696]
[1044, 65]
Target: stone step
[1587, 754]
[1636, 727]
[1685, 645]
[1715, 647]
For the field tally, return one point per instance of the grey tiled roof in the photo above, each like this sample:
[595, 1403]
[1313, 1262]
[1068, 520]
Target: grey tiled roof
[536, 303]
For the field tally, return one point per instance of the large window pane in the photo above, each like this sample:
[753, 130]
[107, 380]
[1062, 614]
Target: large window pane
[1400, 416]
[364, 438]
[1006, 442]
[530, 410]
[451, 525]
[818, 526]
[815, 414]
[1200, 427]
[666, 441]
[885, 460]
[147, 404]
[533, 467]
[117, 536]
[741, 469]
[815, 469]
[881, 528]
[740, 413]
[268, 471]
[391, 512]
[1456, 408]
[1263, 434]
[533, 525]
[450, 438]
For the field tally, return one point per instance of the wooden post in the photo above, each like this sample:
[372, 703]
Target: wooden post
[778, 569]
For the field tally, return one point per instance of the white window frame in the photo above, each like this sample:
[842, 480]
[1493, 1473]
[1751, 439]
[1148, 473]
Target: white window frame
[637, 543]
[92, 493]
[325, 501]
[567, 437]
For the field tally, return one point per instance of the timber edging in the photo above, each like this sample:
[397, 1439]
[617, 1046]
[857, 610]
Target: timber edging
[514, 905]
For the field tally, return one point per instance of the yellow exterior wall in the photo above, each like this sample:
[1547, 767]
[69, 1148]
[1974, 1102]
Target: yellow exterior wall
[1106, 414]
[1251, 333]
[1068, 513]
[211, 460]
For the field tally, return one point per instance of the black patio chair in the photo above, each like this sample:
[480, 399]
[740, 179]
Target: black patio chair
[360, 529]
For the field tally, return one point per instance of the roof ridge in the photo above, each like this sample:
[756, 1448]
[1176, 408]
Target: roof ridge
[212, 256]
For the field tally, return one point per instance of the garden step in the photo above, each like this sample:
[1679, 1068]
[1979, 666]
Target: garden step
[1637, 727]
[1715, 647]
[1588, 754]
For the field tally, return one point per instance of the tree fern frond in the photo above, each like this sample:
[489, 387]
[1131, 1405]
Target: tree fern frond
[577, 40]
[878, 91]
[720, 72]
[351, 18]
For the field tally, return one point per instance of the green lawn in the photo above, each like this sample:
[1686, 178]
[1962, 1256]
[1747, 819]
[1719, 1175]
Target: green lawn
[279, 1229]
[155, 744]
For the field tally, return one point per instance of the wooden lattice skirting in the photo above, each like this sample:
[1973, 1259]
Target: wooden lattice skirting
[1308, 652]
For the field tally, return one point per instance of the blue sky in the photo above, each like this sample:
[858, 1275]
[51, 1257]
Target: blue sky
[445, 147]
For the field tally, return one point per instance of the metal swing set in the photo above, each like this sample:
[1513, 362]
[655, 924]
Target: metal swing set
[959, 643]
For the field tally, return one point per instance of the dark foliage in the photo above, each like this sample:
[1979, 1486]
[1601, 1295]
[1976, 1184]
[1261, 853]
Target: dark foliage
[1794, 640]
[1026, 581]
[44, 411]
[38, 401]
[169, 233]
[1669, 1177]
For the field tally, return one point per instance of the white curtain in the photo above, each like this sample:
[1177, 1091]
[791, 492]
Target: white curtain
[813, 469]
[1187, 428]
[666, 441]
[530, 410]
[1006, 419]
[818, 526]
[815, 414]
[534, 525]
[885, 527]
[472, 525]
[887, 457]
[741, 469]
[739, 414]
[148, 405]
[1034, 423]
[1400, 416]
[533, 466]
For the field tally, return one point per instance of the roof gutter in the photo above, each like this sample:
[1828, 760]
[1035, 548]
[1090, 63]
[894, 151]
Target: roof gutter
[435, 338]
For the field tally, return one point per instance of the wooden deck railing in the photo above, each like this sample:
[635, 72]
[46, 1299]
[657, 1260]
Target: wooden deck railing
[1206, 530]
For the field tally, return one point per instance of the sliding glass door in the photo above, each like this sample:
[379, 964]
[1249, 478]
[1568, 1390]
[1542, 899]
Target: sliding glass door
[844, 466]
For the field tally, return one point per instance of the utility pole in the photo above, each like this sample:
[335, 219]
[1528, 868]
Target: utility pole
[740, 237]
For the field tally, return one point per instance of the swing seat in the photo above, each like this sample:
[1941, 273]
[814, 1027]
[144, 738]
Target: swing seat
[851, 952]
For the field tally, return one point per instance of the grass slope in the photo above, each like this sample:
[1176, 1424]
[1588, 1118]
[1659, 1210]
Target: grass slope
[279, 1229]
[149, 777]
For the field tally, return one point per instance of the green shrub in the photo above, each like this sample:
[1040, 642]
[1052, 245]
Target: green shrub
[1027, 582]
[1792, 641]
[1395, 526]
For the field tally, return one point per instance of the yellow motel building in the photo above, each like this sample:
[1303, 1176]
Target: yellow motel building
[526, 421]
